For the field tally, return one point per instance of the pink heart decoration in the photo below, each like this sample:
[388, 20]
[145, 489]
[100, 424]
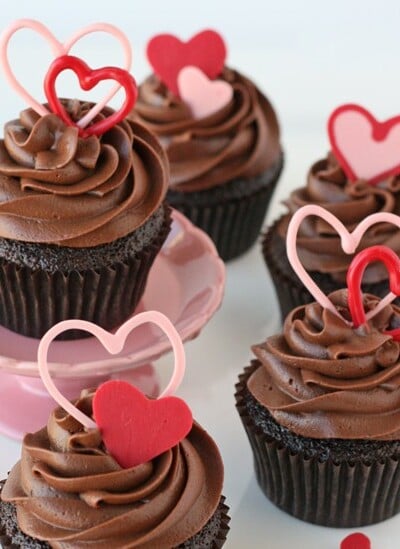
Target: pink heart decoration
[365, 148]
[59, 49]
[168, 55]
[349, 242]
[203, 96]
[356, 541]
[136, 429]
[129, 449]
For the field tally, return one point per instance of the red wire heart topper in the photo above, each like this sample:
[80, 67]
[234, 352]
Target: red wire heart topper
[354, 276]
[88, 79]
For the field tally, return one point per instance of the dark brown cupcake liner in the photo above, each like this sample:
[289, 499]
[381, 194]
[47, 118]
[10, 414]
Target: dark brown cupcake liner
[346, 494]
[212, 535]
[290, 291]
[232, 214]
[32, 301]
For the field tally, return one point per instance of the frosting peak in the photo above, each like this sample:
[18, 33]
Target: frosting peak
[71, 493]
[323, 379]
[59, 188]
[239, 140]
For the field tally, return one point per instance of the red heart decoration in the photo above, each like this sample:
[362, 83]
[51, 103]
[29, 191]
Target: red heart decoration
[136, 429]
[356, 541]
[365, 148]
[354, 276]
[88, 78]
[168, 55]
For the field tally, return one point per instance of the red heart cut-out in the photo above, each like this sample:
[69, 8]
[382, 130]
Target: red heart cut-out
[354, 277]
[356, 541]
[136, 429]
[88, 79]
[365, 148]
[168, 55]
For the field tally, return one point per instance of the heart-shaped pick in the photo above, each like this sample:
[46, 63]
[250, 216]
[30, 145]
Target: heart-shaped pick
[168, 55]
[88, 78]
[349, 242]
[136, 429]
[203, 96]
[59, 49]
[356, 541]
[365, 148]
[354, 277]
[114, 343]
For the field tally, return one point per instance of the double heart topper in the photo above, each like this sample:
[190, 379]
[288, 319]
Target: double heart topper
[349, 242]
[364, 147]
[190, 70]
[88, 78]
[134, 428]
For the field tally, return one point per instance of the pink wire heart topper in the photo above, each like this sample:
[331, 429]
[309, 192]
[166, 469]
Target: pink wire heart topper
[59, 49]
[349, 241]
[114, 344]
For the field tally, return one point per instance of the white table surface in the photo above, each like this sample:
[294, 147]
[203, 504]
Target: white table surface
[309, 57]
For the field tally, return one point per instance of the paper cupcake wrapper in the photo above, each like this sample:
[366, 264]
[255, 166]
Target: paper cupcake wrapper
[232, 214]
[205, 538]
[211, 535]
[346, 494]
[31, 302]
[290, 291]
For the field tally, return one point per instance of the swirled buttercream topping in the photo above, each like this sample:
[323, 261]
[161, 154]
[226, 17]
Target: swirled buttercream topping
[58, 188]
[323, 379]
[239, 140]
[69, 492]
[318, 245]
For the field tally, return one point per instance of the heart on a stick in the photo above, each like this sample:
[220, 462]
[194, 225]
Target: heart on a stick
[88, 78]
[349, 241]
[202, 95]
[58, 48]
[135, 429]
[168, 55]
[365, 148]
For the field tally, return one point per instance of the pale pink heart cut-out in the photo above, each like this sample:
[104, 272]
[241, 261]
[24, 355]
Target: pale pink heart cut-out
[365, 148]
[349, 242]
[58, 48]
[202, 95]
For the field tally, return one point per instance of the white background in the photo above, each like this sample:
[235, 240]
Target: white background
[308, 56]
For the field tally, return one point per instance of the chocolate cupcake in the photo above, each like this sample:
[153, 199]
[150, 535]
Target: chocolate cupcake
[67, 491]
[81, 219]
[319, 247]
[320, 408]
[224, 166]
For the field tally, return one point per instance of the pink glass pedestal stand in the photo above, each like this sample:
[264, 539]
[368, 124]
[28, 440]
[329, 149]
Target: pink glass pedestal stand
[186, 283]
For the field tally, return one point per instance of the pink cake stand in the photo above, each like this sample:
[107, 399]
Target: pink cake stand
[186, 283]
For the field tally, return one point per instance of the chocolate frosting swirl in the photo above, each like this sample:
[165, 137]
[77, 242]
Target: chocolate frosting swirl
[71, 493]
[239, 140]
[58, 188]
[318, 245]
[323, 379]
